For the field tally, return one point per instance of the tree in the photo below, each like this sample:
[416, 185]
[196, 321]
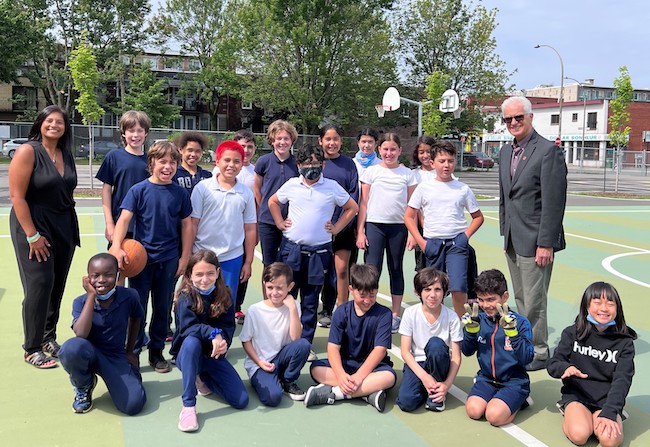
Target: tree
[620, 117]
[433, 121]
[204, 29]
[21, 30]
[454, 38]
[315, 59]
[146, 93]
[83, 68]
[114, 28]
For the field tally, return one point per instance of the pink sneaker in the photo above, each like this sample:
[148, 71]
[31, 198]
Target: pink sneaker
[201, 387]
[187, 420]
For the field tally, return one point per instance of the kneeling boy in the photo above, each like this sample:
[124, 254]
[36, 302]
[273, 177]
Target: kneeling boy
[358, 364]
[429, 332]
[503, 343]
[271, 338]
[103, 319]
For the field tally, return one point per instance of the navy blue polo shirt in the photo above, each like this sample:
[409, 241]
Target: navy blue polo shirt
[344, 172]
[110, 326]
[274, 173]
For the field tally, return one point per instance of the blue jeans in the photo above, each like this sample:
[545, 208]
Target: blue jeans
[412, 393]
[288, 363]
[218, 374]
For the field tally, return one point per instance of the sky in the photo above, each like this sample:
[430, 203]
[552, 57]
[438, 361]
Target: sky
[594, 38]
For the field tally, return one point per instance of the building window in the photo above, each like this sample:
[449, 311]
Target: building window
[247, 105]
[555, 119]
[591, 120]
[574, 117]
[24, 98]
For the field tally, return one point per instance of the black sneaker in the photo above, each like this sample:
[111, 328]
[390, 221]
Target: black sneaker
[83, 397]
[325, 319]
[319, 395]
[158, 362]
[377, 400]
[293, 391]
[434, 406]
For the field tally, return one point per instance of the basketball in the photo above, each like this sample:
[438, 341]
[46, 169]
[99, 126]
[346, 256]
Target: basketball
[137, 257]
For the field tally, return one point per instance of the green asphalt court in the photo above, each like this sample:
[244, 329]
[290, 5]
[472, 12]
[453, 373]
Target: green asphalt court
[608, 243]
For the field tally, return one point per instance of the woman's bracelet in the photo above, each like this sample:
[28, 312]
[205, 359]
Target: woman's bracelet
[34, 238]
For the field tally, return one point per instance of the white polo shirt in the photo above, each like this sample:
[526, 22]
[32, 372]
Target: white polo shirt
[310, 208]
[222, 214]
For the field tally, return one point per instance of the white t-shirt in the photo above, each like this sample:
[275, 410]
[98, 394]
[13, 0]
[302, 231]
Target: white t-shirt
[442, 204]
[415, 325]
[424, 176]
[310, 208]
[267, 328]
[246, 176]
[388, 193]
[361, 169]
[222, 214]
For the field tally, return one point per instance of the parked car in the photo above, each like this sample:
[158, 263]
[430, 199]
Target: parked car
[477, 160]
[100, 148]
[9, 148]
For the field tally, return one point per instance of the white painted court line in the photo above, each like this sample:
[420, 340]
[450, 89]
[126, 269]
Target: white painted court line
[607, 265]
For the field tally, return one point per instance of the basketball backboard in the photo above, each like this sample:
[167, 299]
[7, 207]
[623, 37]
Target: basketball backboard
[450, 101]
[391, 98]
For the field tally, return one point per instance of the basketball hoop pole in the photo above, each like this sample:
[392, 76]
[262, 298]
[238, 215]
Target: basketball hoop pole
[420, 105]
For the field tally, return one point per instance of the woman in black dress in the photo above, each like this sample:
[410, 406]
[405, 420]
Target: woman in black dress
[44, 228]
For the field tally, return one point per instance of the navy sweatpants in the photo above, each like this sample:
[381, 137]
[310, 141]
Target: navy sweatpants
[82, 360]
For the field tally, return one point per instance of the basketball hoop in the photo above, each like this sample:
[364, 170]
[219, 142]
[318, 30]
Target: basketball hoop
[381, 109]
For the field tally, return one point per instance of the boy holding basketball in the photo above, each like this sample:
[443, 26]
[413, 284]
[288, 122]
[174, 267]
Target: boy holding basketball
[103, 319]
[160, 208]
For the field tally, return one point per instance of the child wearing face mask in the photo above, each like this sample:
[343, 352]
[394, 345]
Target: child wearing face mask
[202, 338]
[307, 231]
[595, 360]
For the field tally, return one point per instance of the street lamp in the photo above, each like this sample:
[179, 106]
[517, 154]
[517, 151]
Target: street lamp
[584, 117]
[559, 129]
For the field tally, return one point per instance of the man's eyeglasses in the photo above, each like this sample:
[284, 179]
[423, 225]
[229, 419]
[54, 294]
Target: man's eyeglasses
[508, 119]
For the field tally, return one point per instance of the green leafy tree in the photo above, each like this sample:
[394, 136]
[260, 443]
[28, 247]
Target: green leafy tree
[114, 29]
[22, 29]
[315, 59]
[435, 122]
[453, 37]
[83, 68]
[620, 117]
[146, 93]
[204, 29]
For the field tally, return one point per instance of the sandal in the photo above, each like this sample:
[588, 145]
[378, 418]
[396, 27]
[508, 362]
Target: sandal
[39, 360]
[51, 347]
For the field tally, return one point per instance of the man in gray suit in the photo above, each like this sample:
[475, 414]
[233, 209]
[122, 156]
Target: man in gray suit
[532, 197]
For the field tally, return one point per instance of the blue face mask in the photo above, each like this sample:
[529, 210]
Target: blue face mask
[208, 291]
[106, 296]
[311, 173]
[593, 320]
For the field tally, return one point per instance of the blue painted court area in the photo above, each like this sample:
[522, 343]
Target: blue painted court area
[603, 243]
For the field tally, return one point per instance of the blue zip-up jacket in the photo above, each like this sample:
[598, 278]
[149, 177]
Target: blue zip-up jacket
[200, 326]
[502, 359]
